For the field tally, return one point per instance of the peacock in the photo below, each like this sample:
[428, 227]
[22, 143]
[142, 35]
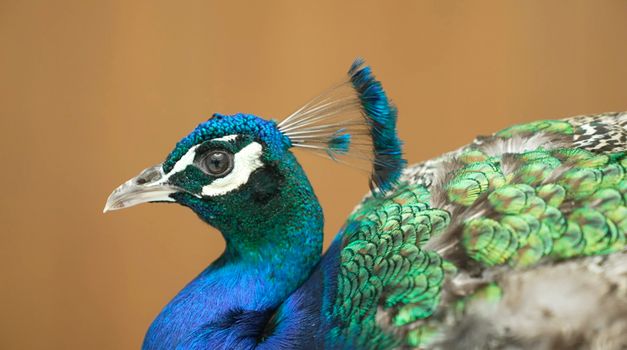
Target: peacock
[514, 241]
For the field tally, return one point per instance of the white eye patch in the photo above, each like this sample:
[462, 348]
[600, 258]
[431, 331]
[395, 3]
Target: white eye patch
[180, 165]
[245, 162]
[188, 158]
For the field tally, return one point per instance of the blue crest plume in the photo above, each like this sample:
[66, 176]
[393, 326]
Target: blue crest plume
[356, 119]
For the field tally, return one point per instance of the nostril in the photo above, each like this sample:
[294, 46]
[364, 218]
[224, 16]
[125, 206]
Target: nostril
[148, 175]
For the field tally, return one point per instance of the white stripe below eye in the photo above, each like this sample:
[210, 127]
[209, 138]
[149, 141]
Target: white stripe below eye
[245, 162]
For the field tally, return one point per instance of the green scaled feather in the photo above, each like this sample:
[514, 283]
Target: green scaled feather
[384, 260]
[532, 219]
[548, 126]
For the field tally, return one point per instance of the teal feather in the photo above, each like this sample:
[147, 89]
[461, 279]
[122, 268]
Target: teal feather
[381, 116]
[356, 120]
[339, 144]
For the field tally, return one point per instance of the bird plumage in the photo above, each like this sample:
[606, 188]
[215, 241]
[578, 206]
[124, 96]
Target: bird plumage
[515, 241]
[507, 214]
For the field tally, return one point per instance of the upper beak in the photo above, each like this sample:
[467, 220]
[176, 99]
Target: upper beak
[149, 186]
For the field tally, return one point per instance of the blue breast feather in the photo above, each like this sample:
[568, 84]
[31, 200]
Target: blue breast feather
[301, 322]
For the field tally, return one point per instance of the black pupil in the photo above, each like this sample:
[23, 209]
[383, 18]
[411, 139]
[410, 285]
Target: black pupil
[218, 163]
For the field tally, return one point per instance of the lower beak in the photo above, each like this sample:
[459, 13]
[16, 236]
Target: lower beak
[149, 186]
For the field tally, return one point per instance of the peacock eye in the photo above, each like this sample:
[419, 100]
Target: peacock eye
[218, 163]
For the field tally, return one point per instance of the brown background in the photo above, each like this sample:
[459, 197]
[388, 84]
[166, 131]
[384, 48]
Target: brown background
[91, 92]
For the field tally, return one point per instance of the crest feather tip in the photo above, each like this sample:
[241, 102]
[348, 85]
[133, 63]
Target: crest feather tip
[356, 119]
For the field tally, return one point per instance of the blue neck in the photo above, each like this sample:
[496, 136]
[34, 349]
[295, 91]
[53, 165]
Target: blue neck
[270, 251]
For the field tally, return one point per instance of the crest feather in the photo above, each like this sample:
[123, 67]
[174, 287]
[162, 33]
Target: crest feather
[354, 119]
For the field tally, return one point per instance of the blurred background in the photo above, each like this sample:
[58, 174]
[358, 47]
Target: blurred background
[91, 92]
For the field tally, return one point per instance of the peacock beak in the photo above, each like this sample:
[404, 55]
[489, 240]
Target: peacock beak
[149, 186]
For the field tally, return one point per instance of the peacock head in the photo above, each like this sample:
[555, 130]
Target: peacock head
[232, 167]
[223, 167]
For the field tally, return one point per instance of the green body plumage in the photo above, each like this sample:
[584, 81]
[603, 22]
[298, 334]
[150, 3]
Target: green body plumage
[531, 194]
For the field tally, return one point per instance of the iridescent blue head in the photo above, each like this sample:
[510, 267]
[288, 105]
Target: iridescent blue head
[230, 168]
